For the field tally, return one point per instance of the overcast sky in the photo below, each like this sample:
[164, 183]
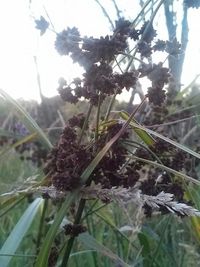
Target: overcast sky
[20, 41]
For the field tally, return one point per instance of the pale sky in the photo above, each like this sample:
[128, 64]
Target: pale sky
[20, 41]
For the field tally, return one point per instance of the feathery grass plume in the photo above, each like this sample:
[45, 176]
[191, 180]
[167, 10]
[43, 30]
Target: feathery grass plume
[127, 196]
[134, 195]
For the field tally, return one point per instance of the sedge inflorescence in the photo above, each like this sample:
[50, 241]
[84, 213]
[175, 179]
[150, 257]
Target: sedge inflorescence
[71, 156]
[96, 54]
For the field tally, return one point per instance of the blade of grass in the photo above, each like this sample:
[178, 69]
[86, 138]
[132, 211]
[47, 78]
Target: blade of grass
[42, 259]
[85, 175]
[14, 239]
[184, 148]
[146, 138]
[176, 173]
[115, 229]
[92, 243]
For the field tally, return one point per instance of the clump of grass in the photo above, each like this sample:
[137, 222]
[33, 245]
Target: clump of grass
[108, 157]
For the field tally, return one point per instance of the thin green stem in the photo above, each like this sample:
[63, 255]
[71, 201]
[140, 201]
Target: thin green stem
[129, 55]
[97, 118]
[149, 150]
[90, 209]
[145, 13]
[118, 65]
[105, 14]
[115, 229]
[133, 26]
[141, 12]
[139, 106]
[129, 142]
[94, 211]
[112, 101]
[72, 238]
[85, 123]
[144, 34]
[47, 14]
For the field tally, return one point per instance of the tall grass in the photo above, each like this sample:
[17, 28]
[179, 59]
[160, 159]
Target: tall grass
[112, 187]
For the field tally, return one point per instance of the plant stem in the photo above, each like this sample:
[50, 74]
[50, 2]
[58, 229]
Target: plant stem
[97, 118]
[72, 238]
[144, 34]
[85, 123]
[112, 101]
[106, 14]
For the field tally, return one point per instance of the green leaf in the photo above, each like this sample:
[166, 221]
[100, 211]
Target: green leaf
[92, 243]
[14, 239]
[28, 121]
[146, 138]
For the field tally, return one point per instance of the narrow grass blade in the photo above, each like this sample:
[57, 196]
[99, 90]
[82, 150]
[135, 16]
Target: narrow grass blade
[85, 175]
[42, 259]
[111, 224]
[184, 148]
[176, 173]
[28, 121]
[92, 243]
[146, 138]
[14, 239]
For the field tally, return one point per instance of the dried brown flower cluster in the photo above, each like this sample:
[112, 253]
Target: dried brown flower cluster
[95, 55]
[70, 157]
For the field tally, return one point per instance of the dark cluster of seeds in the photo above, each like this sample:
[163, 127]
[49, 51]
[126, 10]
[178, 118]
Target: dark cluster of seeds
[74, 229]
[159, 181]
[159, 76]
[68, 159]
[96, 54]
[98, 82]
